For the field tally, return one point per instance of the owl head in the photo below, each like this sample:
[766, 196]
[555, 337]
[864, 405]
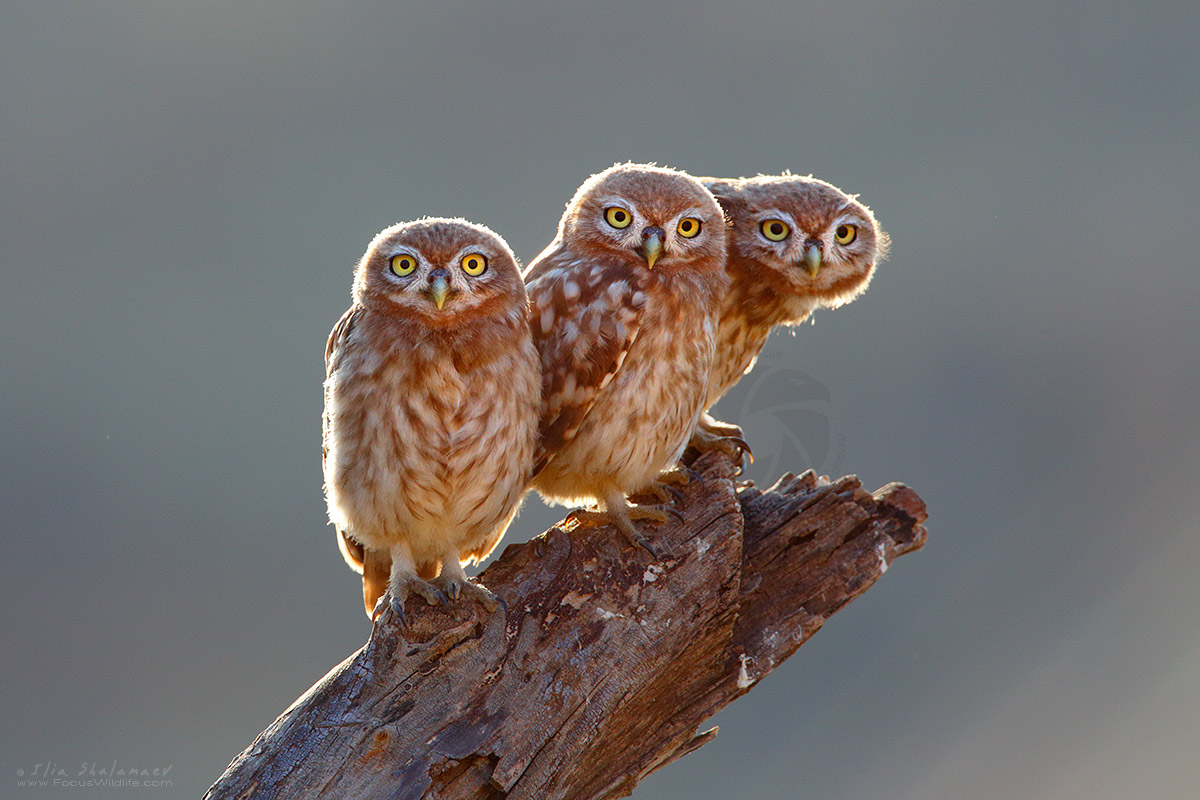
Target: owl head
[646, 216]
[441, 271]
[805, 238]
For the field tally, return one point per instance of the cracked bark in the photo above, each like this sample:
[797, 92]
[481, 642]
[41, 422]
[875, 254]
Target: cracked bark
[606, 662]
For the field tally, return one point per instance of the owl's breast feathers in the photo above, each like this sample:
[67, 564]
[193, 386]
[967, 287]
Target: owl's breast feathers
[414, 419]
[748, 311]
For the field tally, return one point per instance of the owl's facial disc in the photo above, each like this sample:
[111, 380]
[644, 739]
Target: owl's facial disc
[438, 287]
[652, 245]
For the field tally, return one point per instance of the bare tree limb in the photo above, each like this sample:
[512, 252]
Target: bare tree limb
[606, 662]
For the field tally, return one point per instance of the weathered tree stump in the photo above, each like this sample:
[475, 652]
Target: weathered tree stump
[606, 662]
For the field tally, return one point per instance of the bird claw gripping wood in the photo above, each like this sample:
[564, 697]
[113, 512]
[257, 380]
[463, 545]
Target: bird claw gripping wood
[737, 448]
[397, 594]
[621, 517]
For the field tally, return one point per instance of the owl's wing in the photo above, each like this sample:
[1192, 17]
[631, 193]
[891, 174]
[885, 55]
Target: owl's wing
[553, 257]
[584, 321]
[335, 348]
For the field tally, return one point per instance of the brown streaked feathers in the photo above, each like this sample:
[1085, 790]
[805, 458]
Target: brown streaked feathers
[431, 403]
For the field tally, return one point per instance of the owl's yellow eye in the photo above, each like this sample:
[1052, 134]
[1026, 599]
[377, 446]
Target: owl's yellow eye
[845, 234]
[617, 217]
[688, 227]
[403, 265]
[775, 229]
[474, 264]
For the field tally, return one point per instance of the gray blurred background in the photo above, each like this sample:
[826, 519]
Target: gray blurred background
[187, 186]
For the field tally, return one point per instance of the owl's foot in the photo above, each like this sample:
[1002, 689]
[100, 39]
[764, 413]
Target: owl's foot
[589, 516]
[399, 590]
[679, 475]
[658, 513]
[734, 446]
[718, 428]
[664, 493]
[620, 514]
[455, 583]
[664, 488]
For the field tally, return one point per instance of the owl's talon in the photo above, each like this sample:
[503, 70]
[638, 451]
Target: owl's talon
[402, 589]
[742, 445]
[680, 475]
[380, 605]
[657, 513]
[644, 543]
[621, 517]
[489, 599]
[676, 495]
[457, 584]
[659, 552]
[735, 447]
[664, 493]
[588, 517]
[398, 607]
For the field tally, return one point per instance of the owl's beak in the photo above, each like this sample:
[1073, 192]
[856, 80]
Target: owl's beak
[812, 257]
[439, 288]
[652, 245]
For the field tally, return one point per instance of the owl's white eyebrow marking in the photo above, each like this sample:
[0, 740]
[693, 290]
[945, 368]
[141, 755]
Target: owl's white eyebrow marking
[614, 200]
[773, 213]
[483, 250]
[403, 250]
[852, 218]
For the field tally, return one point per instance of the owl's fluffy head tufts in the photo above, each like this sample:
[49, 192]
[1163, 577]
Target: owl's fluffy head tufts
[441, 271]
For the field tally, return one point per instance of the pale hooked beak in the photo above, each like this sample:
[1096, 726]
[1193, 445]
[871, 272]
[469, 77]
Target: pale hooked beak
[652, 245]
[812, 258]
[439, 287]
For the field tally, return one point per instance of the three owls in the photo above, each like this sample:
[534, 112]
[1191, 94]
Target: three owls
[453, 386]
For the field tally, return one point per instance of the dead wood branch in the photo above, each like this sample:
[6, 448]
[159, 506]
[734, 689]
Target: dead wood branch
[606, 662]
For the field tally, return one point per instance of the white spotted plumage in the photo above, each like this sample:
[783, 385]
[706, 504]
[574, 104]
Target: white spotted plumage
[626, 338]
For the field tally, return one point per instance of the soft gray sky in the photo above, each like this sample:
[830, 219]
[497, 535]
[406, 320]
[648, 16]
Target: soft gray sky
[186, 187]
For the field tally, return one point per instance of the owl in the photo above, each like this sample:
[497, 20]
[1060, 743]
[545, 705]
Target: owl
[623, 308]
[432, 394]
[796, 244]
